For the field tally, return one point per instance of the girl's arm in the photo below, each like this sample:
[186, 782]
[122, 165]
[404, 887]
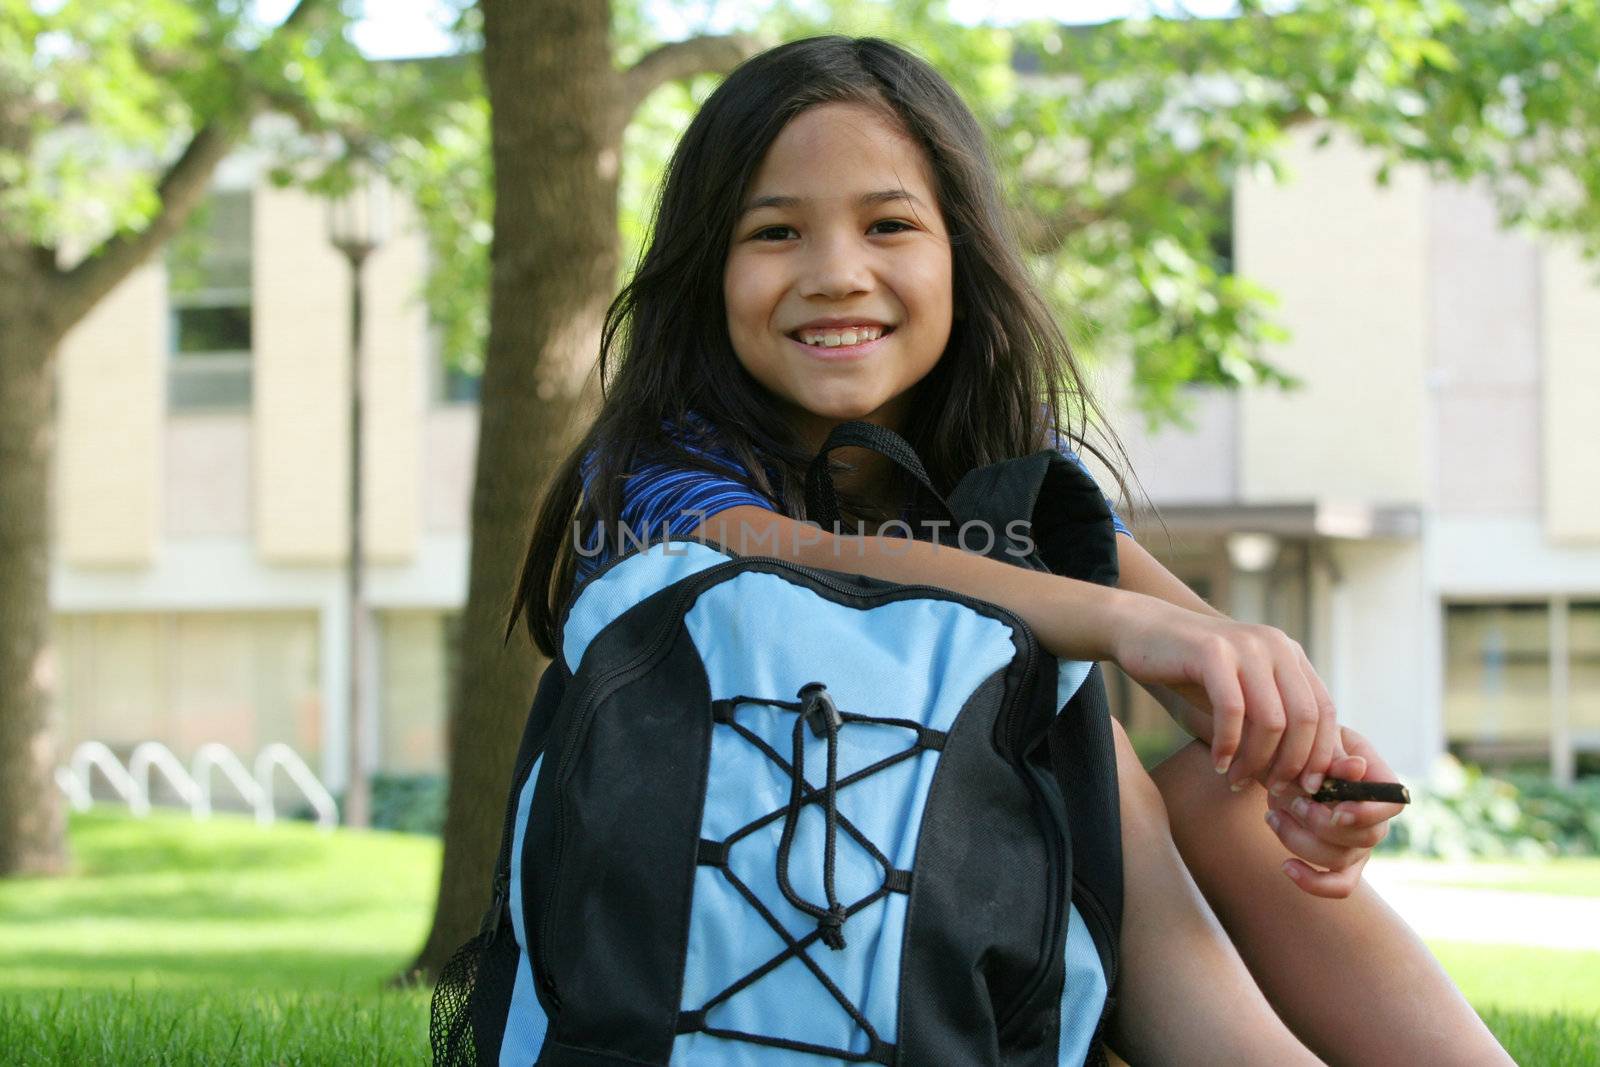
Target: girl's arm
[1231, 671]
[1308, 831]
[1139, 571]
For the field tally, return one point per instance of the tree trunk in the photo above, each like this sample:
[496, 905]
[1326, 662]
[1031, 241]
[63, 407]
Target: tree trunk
[32, 816]
[553, 97]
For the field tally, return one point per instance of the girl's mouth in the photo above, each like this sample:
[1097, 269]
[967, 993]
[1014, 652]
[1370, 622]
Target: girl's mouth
[841, 352]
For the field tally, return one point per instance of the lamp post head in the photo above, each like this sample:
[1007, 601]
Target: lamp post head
[1252, 553]
[358, 218]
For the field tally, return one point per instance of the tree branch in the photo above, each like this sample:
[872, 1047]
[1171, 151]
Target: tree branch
[709, 54]
[1046, 234]
[180, 190]
[300, 110]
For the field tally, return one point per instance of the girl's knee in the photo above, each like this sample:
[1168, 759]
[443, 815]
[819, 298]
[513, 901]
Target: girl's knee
[1188, 766]
[1190, 783]
[1141, 800]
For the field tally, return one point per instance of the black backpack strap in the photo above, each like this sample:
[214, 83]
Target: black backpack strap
[535, 734]
[822, 503]
[1073, 535]
[546, 698]
[1083, 756]
[1071, 527]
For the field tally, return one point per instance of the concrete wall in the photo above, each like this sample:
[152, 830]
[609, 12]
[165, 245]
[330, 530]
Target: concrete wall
[1384, 670]
[301, 398]
[110, 410]
[208, 490]
[1570, 323]
[1349, 263]
[1483, 285]
[301, 416]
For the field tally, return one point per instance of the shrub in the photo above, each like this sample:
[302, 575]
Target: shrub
[410, 803]
[1461, 813]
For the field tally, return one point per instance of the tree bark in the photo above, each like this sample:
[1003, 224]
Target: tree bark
[557, 111]
[552, 93]
[39, 303]
[32, 817]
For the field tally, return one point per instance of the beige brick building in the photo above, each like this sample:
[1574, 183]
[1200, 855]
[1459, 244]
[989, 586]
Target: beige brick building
[1424, 516]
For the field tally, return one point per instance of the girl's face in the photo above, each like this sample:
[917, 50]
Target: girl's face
[841, 228]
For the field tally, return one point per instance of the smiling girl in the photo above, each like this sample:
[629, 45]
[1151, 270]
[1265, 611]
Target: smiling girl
[831, 244]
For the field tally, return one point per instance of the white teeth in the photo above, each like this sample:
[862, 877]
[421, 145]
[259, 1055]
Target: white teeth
[836, 338]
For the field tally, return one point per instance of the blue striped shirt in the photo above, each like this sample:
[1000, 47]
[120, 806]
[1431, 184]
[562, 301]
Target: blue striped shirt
[660, 499]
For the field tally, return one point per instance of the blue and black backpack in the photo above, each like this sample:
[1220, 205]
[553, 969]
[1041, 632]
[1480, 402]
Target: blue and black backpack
[766, 814]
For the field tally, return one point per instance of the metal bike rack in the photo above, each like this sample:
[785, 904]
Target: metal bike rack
[281, 755]
[216, 756]
[193, 786]
[154, 754]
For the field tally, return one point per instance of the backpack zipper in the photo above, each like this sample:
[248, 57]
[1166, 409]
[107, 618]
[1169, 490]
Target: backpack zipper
[1104, 921]
[489, 927]
[491, 923]
[1098, 913]
[1058, 892]
[597, 690]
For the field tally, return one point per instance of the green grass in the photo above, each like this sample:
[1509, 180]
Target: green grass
[1567, 876]
[1546, 1039]
[178, 942]
[171, 902]
[141, 1026]
[1523, 979]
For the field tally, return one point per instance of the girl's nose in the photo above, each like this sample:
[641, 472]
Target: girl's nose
[835, 268]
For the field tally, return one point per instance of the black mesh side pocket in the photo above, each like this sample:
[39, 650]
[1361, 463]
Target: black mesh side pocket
[450, 1029]
[467, 1017]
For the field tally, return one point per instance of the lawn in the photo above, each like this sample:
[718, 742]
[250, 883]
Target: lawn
[179, 942]
[1570, 877]
[217, 942]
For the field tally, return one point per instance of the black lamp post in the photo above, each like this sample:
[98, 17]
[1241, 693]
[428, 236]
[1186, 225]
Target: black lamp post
[358, 223]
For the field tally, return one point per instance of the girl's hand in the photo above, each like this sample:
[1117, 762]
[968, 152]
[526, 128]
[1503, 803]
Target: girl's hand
[1270, 716]
[1338, 839]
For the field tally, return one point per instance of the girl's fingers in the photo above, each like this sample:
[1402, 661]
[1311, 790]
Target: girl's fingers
[1361, 765]
[1327, 744]
[1350, 768]
[1359, 747]
[1367, 822]
[1301, 841]
[1227, 712]
[1361, 815]
[1263, 726]
[1300, 729]
[1335, 885]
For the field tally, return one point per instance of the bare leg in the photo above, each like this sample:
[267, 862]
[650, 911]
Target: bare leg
[1185, 995]
[1348, 976]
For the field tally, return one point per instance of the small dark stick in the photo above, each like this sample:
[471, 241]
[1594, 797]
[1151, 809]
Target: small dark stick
[1336, 789]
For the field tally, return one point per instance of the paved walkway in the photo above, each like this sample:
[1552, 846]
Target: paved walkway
[1488, 916]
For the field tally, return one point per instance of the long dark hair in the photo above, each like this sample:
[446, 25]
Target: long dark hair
[675, 357]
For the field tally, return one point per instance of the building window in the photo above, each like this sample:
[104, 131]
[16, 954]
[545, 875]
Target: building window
[451, 383]
[1497, 678]
[208, 287]
[1221, 236]
[415, 661]
[244, 679]
[1583, 651]
[461, 387]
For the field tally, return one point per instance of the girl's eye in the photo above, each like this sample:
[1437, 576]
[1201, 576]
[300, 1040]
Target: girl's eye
[761, 235]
